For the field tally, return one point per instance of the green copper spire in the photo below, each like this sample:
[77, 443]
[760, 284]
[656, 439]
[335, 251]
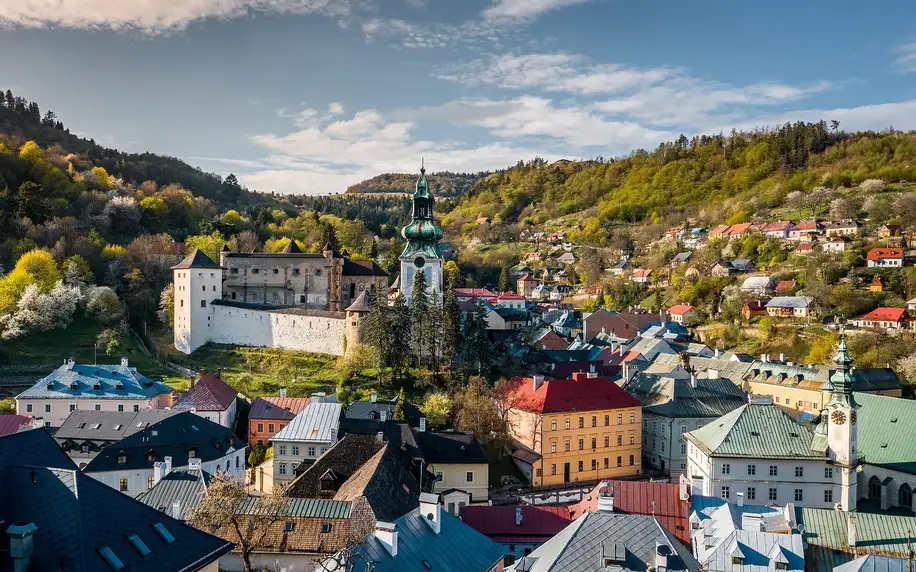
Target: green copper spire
[841, 379]
[423, 233]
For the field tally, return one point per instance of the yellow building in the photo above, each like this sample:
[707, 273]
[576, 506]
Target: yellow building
[801, 388]
[459, 462]
[584, 429]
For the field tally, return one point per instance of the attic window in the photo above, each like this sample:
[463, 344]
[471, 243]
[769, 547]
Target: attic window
[122, 459]
[163, 533]
[782, 566]
[737, 560]
[50, 385]
[325, 527]
[138, 544]
[97, 426]
[97, 386]
[290, 526]
[251, 525]
[81, 425]
[74, 386]
[84, 449]
[192, 452]
[118, 427]
[140, 424]
[327, 485]
[151, 456]
[111, 558]
[119, 386]
[194, 427]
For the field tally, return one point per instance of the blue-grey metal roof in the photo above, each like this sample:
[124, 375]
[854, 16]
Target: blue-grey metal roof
[790, 302]
[106, 426]
[457, 548]
[185, 486]
[318, 422]
[875, 563]
[78, 381]
[676, 397]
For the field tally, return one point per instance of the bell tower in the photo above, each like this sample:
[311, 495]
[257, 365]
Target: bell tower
[842, 428]
[422, 252]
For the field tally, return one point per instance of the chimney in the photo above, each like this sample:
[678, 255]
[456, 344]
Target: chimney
[851, 538]
[283, 392]
[782, 357]
[176, 510]
[379, 437]
[21, 544]
[37, 423]
[518, 516]
[157, 472]
[763, 358]
[124, 362]
[712, 374]
[387, 534]
[606, 497]
[167, 466]
[662, 552]
[717, 353]
[193, 464]
[319, 397]
[740, 499]
[431, 510]
[538, 381]
[422, 424]
[373, 397]
[693, 379]
[579, 376]
[383, 415]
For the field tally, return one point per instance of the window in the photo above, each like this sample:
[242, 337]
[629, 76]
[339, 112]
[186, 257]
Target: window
[255, 270]
[296, 450]
[752, 470]
[469, 477]
[566, 444]
[28, 407]
[607, 462]
[725, 493]
[122, 459]
[203, 303]
[772, 495]
[782, 566]
[619, 461]
[270, 427]
[798, 495]
[163, 533]
[84, 449]
[566, 423]
[632, 438]
[799, 472]
[594, 420]
[581, 444]
[553, 424]
[111, 558]
[282, 468]
[289, 526]
[121, 407]
[123, 485]
[581, 466]
[737, 560]
[632, 418]
[537, 473]
[683, 429]
[619, 440]
[581, 422]
[594, 464]
[295, 272]
[726, 469]
[150, 481]
[48, 408]
[192, 453]
[553, 469]
[828, 473]
[236, 462]
[828, 495]
[632, 461]
[553, 446]
[751, 493]
[311, 451]
[440, 476]
[98, 407]
[620, 418]
[607, 420]
[140, 546]
[325, 527]
[774, 470]
[282, 449]
[181, 305]
[607, 441]
[683, 448]
[136, 408]
[260, 427]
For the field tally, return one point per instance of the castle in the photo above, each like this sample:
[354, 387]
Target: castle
[313, 302]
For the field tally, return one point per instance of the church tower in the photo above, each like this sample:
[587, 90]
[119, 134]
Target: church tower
[422, 251]
[198, 281]
[842, 428]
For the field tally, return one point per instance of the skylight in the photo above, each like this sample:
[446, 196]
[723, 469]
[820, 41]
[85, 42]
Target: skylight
[138, 544]
[111, 558]
[163, 533]
[97, 426]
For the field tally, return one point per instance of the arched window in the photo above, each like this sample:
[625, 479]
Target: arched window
[874, 488]
[905, 497]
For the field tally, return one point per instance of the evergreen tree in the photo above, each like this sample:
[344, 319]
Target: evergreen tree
[433, 332]
[10, 100]
[399, 339]
[451, 327]
[475, 343]
[419, 314]
[330, 238]
[377, 331]
[400, 408]
[504, 283]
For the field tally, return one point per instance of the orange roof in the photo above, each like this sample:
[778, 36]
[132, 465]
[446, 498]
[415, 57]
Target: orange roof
[739, 229]
[806, 225]
[886, 315]
[641, 273]
[785, 284]
[884, 253]
[526, 278]
[679, 309]
[674, 229]
[777, 226]
[509, 296]
[719, 230]
[804, 247]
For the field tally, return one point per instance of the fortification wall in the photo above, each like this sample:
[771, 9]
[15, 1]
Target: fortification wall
[296, 330]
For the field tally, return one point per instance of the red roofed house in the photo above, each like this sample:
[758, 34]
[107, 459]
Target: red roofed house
[785, 286]
[509, 300]
[719, 231]
[885, 258]
[483, 220]
[674, 232]
[778, 229]
[10, 424]
[269, 415]
[889, 230]
[805, 248]
[211, 398]
[520, 528]
[532, 255]
[894, 319]
[525, 285]
[679, 312]
[641, 276]
[585, 428]
[467, 294]
[556, 236]
[738, 230]
[805, 230]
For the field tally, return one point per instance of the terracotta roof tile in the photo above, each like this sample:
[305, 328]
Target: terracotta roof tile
[582, 393]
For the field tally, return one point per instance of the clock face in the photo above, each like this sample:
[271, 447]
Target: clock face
[853, 417]
[838, 417]
[419, 262]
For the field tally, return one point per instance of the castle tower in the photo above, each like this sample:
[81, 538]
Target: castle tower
[357, 313]
[842, 429]
[422, 251]
[198, 282]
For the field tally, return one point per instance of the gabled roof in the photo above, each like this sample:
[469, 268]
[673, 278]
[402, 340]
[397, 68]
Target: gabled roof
[807, 225]
[827, 534]
[281, 408]
[755, 431]
[367, 409]
[885, 315]
[758, 283]
[875, 563]
[510, 296]
[778, 226]
[76, 516]
[362, 268]
[682, 257]
[501, 523]
[210, 393]
[642, 273]
[196, 259]
[187, 487]
[790, 302]
[719, 230]
[318, 422]
[107, 426]
[292, 247]
[884, 253]
[457, 548]
[78, 381]
[561, 395]
[675, 397]
[887, 434]
[10, 424]
[443, 447]
[474, 292]
[680, 309]
[384, 481]
[339, 463]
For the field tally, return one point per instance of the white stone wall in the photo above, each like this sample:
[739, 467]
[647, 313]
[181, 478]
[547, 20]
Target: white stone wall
[258, 328]
[195, 289]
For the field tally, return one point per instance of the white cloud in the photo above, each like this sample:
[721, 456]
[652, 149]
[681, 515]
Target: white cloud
[899, 115]
[151, 16]
[517, 9]
[906, 57]
[335, 108]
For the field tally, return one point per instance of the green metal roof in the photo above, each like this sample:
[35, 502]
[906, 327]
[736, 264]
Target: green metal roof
[887, 434]
[755, 431]
[305, 508]
[877, 533]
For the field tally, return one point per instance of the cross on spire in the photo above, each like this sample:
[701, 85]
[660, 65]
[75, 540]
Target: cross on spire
[422, 165]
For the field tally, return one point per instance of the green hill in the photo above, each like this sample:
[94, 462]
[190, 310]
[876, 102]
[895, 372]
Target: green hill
[446, 184]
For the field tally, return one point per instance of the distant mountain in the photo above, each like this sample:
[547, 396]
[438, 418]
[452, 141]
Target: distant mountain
[443, 184]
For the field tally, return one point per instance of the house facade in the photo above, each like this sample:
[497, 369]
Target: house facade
[269, 415]
[888, 319]
[884, 258]
[790, 307]
[305, 438]
[211, 398]
[459, 462]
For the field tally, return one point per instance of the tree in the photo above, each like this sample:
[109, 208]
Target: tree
[451, 327]
[41, 311]
[433, 332]
[906, 366]
[453, 277]
[399, 338]
[476, 410]
[475, 343]
[249, 522]
[419, 314]
[377, 330]
[400, 408]
[437, 408]
[103, 303]
[504, 282]
[209, 244]
[77, 271]
[256, 455]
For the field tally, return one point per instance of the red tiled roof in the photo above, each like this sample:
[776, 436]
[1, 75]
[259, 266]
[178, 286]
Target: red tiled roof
[739, 229]
[210, 393]
[475, 292]
[277, 407]
[641, 497]
[557, 234]
[10, 424]
[679, 309]
[674, 229]
[785, 284]
[885, 315]
[527, 278]
[804, 247]
[532, 255]
[777, 226]
[723, 229]
[642, 273]
[498, 522]
[806, 225]
[509, 296]
[582, 393]
[884, 253]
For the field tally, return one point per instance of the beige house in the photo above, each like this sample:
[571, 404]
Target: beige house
[459, 462]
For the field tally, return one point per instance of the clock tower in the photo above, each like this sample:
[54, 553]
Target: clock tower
[842, 425]
[422, 251]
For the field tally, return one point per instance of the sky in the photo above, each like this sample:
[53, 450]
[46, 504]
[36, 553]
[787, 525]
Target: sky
[310, 96]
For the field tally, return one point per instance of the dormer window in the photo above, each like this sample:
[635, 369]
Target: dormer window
[74, 386]
[325, 527]
[119, 386]
[122, 459]
[290, 526]
[84, 449]
[782, 566]
[50, 385]
[97, 386]
[737, 560]
[151, 456]
[192, 453]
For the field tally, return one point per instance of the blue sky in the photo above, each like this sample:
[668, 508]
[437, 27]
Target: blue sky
[309, 96]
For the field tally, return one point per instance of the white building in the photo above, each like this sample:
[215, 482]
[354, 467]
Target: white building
[422, 252]
[306, 438]
[211, 398]
[78, 387]
[131, 451]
